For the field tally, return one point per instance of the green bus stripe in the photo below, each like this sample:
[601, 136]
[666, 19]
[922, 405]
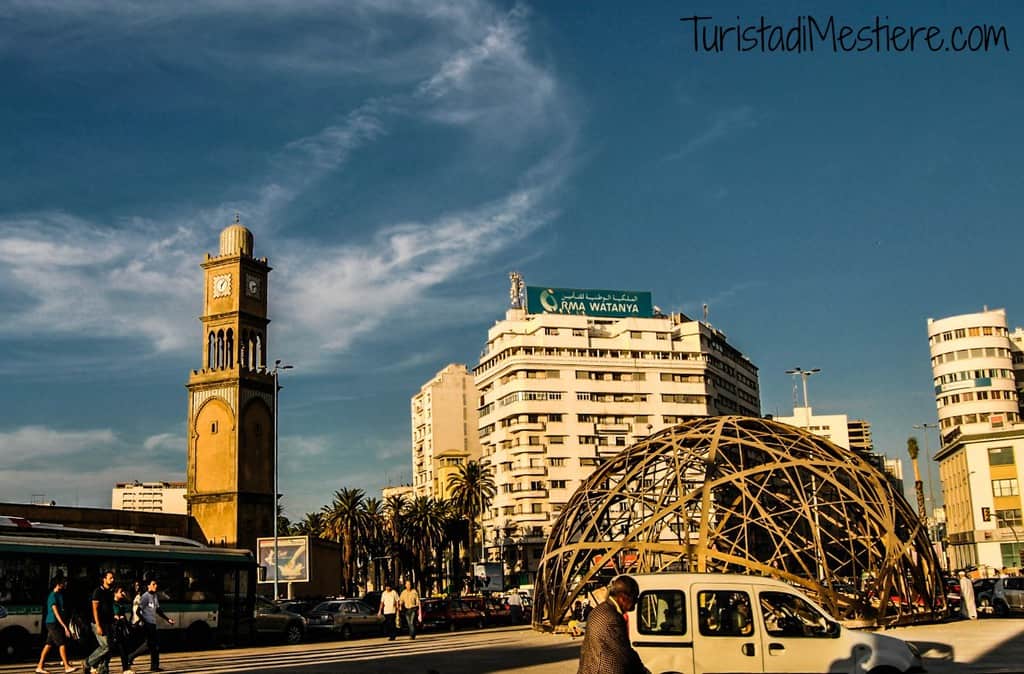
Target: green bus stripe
[23, 609]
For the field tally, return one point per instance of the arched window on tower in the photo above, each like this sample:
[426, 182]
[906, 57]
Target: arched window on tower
[262, 362]
[211, 351]
[251, 341]
[229, 351]
[220, 349]
[243, 350]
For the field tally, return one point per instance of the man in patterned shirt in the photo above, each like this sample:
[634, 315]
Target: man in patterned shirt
[606, 648]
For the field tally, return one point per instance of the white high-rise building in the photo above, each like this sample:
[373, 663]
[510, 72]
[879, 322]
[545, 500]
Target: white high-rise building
[158, 497]
[444, 430]
[977, 373]
[559, 393]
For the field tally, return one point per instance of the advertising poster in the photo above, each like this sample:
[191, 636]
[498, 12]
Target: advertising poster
[292, 558]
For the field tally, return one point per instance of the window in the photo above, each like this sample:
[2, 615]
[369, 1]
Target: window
[1006, 487]
[661, 612]
[556, 461]
[1000, 456]
[550, 331]
[724, 613]
[787, 615]
[1009, 518]
[213, 427]
[558, 484]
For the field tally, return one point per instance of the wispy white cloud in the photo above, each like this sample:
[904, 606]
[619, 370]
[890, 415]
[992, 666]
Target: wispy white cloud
[725, 124]
[165, 442]
[40, 442]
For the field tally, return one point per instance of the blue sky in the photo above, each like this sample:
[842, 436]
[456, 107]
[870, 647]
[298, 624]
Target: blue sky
[395, 160]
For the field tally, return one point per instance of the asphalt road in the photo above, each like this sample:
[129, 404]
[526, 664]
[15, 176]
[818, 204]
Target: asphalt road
[993, 646]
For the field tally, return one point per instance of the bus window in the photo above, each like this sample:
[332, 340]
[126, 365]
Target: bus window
[199, 583]
[20, 580]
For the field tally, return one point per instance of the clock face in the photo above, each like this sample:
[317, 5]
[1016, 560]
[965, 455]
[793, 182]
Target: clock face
[221, 285]
[252, 286]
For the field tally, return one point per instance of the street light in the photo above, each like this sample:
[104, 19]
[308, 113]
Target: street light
[805, 374]
[928, 459]
[277, 388]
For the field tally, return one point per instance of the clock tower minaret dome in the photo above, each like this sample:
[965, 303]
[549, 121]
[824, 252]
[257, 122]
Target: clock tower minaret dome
[231, 400]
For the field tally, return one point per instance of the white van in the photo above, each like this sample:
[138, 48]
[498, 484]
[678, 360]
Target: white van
[708, 623]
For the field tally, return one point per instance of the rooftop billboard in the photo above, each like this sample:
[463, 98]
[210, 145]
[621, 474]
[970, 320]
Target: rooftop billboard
[585, 302]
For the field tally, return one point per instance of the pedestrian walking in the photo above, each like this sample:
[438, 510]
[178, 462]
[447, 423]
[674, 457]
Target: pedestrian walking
[57, 630]
[98, 661]
[149, 609]
[121, 632]
[389, 609]
[515, 605]
[409, 601]
[968, 605]
[606, 646]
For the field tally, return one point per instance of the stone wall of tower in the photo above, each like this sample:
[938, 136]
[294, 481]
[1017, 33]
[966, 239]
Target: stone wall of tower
[230, 490]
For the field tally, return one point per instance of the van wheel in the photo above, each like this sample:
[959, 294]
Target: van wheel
[198, 635]
[346, 632]
[14, 644]
[884, 670]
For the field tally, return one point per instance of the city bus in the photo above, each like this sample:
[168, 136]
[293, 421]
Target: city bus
[209, 592]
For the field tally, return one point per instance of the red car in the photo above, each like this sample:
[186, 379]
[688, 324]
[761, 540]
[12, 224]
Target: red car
[450, 614]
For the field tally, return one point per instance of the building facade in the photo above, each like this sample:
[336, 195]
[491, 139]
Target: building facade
[977, 378]
[230, 474]
[560, 393]
[444, 430]
[156, 497]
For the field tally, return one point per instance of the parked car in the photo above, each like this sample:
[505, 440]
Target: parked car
[983, 588]
[372, 599]
[952, 593]
[344, 617]
[1008, 596]
[300, 606]
[496, 611]
[277, 622]
[450, 614]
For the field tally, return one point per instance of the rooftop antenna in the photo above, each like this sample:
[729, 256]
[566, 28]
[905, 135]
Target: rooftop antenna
[705, 312]
[238, 218]
[516, 290]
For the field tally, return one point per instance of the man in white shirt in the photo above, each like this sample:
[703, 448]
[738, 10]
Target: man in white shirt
[389, 609]
[149, 609]
[515, 603]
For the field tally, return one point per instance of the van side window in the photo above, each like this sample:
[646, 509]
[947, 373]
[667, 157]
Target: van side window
[724, 613]
[661, 612]
[787, 615]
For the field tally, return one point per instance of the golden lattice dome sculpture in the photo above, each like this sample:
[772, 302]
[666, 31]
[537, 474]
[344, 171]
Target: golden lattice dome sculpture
[235, 239]
[752, 496]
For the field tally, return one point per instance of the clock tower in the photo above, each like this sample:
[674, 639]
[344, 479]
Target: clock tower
[231, 400]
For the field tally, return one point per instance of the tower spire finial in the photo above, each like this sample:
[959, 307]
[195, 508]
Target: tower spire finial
[238, 218]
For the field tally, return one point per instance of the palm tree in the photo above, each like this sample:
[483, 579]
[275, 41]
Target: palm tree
[913, 450]
[312, 525]
[374, 539]
[423, 532]
[472, 489]
[394, 510]
[343, 519]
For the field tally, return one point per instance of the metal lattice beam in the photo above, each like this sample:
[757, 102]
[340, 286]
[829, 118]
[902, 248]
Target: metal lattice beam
[745, 495]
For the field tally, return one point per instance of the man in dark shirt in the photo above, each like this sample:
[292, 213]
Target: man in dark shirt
[102, 620]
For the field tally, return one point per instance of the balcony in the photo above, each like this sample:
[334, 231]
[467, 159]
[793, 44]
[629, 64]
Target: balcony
[613, 428]
[531, 517]
[530, 494]
[527, 426]
[517, 450]
[529, 471]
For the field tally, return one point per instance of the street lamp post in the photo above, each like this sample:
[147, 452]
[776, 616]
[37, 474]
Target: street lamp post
[805, 375]
[928, 463]
[277, 388]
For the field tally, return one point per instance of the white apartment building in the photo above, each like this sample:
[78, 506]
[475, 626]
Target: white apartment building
[444, 430]
[157, 497]
[978, 372]
[561, 393]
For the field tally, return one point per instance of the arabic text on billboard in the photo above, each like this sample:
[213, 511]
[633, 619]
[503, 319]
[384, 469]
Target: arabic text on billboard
[611, 303]
[292, 559]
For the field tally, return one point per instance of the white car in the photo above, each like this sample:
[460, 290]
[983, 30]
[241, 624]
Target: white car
[713, 623]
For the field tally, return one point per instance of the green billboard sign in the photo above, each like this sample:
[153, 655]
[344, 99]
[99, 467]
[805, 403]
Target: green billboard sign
[583, 302]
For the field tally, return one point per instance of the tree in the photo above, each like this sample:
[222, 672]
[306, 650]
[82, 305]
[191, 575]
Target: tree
[472, 489]
[374, 538]
[344, 519]
[913, 450]
[423, 533]
[394, 510]
[312, 525]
